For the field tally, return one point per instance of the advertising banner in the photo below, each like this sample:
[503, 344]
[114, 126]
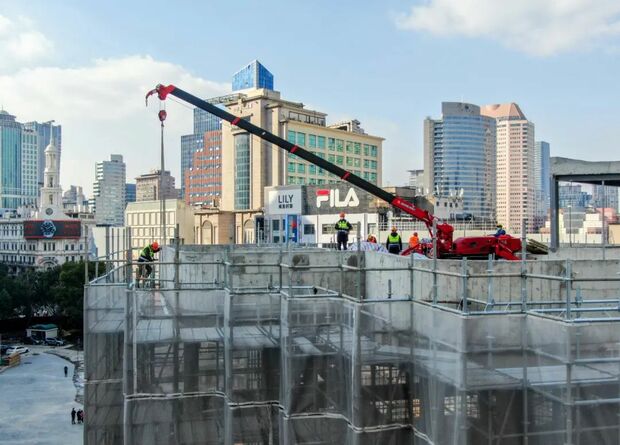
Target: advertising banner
[49, 229]
[283, 201]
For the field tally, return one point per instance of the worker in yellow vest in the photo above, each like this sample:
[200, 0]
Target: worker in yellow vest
[394, 243]
[343, 227]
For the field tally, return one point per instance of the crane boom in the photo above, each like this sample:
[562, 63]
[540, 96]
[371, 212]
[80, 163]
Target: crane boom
[504, 246]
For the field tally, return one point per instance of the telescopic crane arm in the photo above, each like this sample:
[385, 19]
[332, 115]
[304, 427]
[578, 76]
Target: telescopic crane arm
[443, 231]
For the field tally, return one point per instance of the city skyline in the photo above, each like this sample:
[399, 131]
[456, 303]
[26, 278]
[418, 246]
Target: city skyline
[402, 66]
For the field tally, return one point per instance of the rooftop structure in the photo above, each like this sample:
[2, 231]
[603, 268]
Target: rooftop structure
[263, 344]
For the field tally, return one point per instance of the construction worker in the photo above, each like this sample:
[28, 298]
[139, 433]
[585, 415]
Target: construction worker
[414, 241]
[343, 227]
[371, 239]
[500, 231]
[394, 242]
[146, 257]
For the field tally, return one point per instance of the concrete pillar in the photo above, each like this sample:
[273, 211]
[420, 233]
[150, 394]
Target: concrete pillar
[555, 221]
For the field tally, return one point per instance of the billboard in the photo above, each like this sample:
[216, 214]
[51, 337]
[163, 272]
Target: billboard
[283, 201]
[49, 229]
[334, 198]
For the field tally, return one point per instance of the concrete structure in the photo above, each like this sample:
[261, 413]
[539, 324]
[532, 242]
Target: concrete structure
[459, 154]
[291, 345]
[148, 186]
[108, 202]
[143, 218]
[515, 177]
[574, 170]
[250, 164]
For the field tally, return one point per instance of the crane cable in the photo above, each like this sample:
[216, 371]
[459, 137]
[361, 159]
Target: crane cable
[162, 198]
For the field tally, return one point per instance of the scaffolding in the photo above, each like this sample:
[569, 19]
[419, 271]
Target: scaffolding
[300, 345]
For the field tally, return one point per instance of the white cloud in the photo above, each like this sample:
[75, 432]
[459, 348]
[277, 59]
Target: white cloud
[535, 27]
[21, 44]
[101, 108]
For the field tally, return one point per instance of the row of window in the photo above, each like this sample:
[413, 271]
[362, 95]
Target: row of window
[333, 144]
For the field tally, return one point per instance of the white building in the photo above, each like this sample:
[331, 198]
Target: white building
[49, 239]
[143, 218]
[108, 202]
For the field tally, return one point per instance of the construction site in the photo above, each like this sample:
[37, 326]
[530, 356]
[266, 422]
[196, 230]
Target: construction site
[301, 345]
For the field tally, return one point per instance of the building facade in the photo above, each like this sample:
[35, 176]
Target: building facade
[253, 75]
[542, 174]
[108, 202]
[249, 164]
[50, 238]
[10, 161]
[459, 157]
[148, 186]
[145, 224]
[45, 131]
[515, 180]
[130, 193]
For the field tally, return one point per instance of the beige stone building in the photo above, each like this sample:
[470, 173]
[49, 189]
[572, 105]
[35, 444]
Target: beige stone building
[249, 164]
[144, 220]
[147, 186]
[515, 167]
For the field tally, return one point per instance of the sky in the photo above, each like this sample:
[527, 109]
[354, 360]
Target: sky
[388, 63]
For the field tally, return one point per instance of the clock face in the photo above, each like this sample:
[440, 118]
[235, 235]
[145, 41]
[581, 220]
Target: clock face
[49, 211]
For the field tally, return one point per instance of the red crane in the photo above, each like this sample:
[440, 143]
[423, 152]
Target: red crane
[504, 246]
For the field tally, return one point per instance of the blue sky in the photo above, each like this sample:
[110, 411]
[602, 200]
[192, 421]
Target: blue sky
[389, 64]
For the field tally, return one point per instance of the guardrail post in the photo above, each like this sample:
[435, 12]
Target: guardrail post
[411, 275]
[465, 284]
[490, 299]
[568, 280]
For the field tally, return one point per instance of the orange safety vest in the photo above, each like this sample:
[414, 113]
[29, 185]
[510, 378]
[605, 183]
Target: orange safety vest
[414, 241]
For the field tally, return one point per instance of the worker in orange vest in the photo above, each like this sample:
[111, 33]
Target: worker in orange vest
[414, 240]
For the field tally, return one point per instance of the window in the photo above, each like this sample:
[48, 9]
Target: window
[291, 167]
[366, 149]
[301, 139]
[331, 158]
[349, 147]
[308, 229]
[349, 161]
[339, 145]
[301, 168]
[311, 141]
[357, 148]
[339, 160]
[321, 141]
[373, 150]
[328, 229]
[356, 162]
[331, 144]
[366, 163]
[312, 169]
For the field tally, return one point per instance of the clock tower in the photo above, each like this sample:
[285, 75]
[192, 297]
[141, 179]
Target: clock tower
[50, 200]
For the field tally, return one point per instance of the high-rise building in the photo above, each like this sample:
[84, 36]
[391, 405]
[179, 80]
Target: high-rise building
[515, 171]
[605, 197]
[108, 202]
[44, 131]
[130, 193]
[416, 181]
[254, 75]
[10, 161]
[542, 176]
[30, 167]
[459, 157]
[148, 186]
[201, 161]
[249, 164]
[74, 200]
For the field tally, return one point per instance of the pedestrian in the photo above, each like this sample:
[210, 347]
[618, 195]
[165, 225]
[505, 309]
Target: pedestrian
[394, 243]
[371, 239]
[72, 416]
[414, 241]
[79, 416]
[343, 227]
[66, 371]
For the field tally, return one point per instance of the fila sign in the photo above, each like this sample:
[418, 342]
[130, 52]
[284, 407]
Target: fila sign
[333, 199]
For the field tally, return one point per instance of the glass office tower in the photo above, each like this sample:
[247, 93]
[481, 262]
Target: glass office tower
[254, 75]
